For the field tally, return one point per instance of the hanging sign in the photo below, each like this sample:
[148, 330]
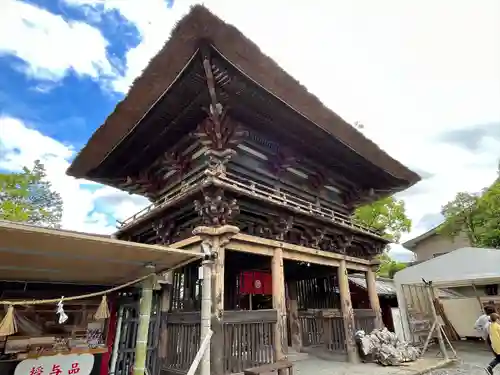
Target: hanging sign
[256, 282]
[71, 364]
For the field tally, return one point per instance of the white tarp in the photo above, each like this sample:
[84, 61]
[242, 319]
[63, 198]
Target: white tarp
[461, 267]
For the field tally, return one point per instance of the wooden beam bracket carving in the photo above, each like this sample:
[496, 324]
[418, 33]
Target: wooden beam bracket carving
[281, 161]
[216, 209]
[343, 242]
[145, 183]
[279, 227]
[313, 237]
[220, 135]
[165, 230]
[171, 163]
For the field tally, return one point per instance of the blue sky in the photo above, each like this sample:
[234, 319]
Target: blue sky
[419, 84]
[68, 109]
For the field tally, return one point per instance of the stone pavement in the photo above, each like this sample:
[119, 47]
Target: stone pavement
[316, 366]
[472, 359]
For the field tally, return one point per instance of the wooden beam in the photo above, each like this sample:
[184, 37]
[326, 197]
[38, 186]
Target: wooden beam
[262, 246]
[371, 286]
[166, 296]
[293, 315]
[250, 248]
[299, 249]
[217, 342]
[278, 286]
[347, 313]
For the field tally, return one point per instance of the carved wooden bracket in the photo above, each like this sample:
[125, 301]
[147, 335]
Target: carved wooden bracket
[317, 179]
[164, 230]
[219, 133]
[312, 237]
[282, 160]
[342, 243]
[216, 209]
[172, 161]
[145, 183]
[278, 227]
[357, 196]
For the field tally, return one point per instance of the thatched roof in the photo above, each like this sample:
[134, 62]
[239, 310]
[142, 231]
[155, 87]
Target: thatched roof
[201, 24]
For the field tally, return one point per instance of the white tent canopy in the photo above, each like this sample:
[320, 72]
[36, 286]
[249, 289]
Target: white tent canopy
[30, 253]
[462, 267]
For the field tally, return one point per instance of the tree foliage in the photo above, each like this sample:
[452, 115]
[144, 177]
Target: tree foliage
[28, 197]
[387, 215]
[388, 266]
[475, 215]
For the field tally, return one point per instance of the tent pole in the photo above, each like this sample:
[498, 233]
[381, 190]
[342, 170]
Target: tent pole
[481, 308]
[442, 346]
[114, 356]
[141, 344]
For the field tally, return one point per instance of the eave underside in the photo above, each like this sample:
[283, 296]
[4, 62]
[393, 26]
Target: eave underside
[184, 106]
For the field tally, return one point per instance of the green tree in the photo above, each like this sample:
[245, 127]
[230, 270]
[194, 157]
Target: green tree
[28, 197]
[387, 215]
[388, 266]
[476, 216]
[489, 217]
[461, 216]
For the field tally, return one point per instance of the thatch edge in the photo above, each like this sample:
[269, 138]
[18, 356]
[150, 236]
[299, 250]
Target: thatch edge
[198, 24]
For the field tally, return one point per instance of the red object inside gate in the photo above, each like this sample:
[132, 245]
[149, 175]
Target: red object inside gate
[256, 282]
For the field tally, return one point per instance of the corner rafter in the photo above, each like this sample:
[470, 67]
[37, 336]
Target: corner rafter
[215, 105]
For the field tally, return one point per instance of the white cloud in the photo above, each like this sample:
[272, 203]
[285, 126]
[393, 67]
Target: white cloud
[21, 146]
[49, 45]
[153, 21]
[407, 70]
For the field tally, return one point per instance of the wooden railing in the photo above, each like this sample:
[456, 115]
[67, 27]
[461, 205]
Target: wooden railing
[248, 340]
[325, 327]
[183, 341]
[311, 326]
[291, 200]
[364, 319]
[175, 193]
[254, 189]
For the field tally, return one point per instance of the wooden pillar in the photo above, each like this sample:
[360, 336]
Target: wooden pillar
[293, 315]
[347, 313]
[216, 238]
[217, 356]
[279, 304]
[373, 296]
[166, 296]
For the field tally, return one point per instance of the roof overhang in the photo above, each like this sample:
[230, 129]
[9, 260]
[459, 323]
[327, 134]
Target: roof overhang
[411, 244]
[163, 70]
[30, 253]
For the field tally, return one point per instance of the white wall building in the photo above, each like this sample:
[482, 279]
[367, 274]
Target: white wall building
[473, 272]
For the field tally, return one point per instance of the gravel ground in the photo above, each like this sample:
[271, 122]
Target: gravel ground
[473, 359]
[461, 369]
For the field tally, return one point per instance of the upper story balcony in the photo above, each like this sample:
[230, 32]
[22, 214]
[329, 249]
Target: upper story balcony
[287, 200]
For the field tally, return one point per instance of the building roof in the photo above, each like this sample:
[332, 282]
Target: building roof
[163, 70]
[411, 244]
[461, 267]
[384, 286]
[31, 253]
[387, 287]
